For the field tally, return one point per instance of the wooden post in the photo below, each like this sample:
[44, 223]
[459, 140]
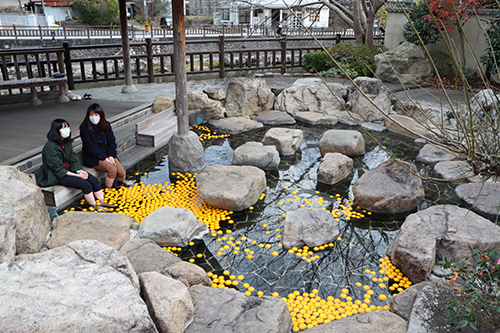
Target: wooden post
[149, 57]
[283, 56]
[126, 51]
[40, 30]
[69, 68]
[337, 38]
[221, 56]
[15, 31]
[179, 38]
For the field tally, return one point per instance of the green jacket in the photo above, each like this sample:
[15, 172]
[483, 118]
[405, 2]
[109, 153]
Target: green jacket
[53, 158]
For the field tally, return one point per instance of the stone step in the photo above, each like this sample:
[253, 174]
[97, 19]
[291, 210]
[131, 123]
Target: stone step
[157, 129]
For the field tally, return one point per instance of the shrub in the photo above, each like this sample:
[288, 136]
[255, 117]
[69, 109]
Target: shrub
[491, 59]
[316, 61]
[443, 63]
[478, 304]
[425, 28]
[96, 12]
[360, 58]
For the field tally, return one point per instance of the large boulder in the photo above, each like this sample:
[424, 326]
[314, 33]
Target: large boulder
[314, 118]
[314, 98]
[162, 103]
[187, 273]
[218, 94]
[346, 142]
[402, 302]
[368, 322]
[389, 188]
[484, 198]
[431, 154]
[23, 211]
[333, 168]
[453, 169]
[311, 227]
[256, 154]
[169, 302]
[485, 102]
[406, 126]
[110, 229]
[170, 226]
[428, 112]
[230, 311]
[185, 153]
[438, 231]
[286, 140]
[84, 286]
[201, 108]
[379, 95]
[235, 125]
[231, 187]
[408, 60]
[7, 234]
[246, 97]
[274, 118]
[429, 312]
[147, 256]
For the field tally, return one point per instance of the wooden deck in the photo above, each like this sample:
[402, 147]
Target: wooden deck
[24, 127]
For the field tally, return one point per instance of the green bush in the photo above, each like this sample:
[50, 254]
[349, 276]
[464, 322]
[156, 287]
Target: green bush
[443, 63]
[316, 61]
[491, 59]
[96, 12]
[423, 27]
[477, 303]
[360, 58]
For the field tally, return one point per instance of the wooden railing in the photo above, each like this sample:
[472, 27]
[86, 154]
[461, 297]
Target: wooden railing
[216, 55]
[41, 32]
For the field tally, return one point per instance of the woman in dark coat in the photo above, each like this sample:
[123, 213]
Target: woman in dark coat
[60, 165]
[99, 146]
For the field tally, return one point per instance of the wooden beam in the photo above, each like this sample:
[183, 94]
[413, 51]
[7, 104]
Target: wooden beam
[125, 46]
[179, 38]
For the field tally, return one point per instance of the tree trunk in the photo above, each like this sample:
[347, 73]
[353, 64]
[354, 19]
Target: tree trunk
[359, 31]
[462, 44]
[370, 19]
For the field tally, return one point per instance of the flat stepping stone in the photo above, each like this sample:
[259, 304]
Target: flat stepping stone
[256, 154]
[236, 125]
[231, 187]
[345, 119]
[453, 169]
[170, 226]
[274, 118]
[389, 188]
[110, 229]
[347, 142]
[311, 227]
[408, 123]
[374, 127]
[483, 197]
[315, 118]
[334, 168]
[286, 140]
[431, 154]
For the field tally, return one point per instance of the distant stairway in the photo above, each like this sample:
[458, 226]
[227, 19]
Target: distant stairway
[157, 129]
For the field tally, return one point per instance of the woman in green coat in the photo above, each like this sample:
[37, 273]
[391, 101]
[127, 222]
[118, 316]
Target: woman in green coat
[61, 167]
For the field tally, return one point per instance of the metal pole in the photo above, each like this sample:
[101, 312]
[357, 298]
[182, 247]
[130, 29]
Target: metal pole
[146, 22]
[179, 39]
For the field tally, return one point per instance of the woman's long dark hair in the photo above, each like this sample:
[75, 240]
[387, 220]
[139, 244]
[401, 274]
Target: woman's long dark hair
[54, 135]
[103, 124]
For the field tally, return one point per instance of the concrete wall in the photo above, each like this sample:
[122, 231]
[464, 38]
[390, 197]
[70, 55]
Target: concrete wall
[474, 30]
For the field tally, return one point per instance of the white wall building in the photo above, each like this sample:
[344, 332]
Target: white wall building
[272, 13]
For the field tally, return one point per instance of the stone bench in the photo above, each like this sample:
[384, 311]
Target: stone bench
[157, 129]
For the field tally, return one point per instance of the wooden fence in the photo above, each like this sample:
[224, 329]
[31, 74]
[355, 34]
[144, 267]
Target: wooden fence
[152, 62]
[43, 32]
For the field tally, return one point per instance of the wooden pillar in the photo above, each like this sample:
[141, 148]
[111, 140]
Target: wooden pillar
[126, 51]
[179, 38]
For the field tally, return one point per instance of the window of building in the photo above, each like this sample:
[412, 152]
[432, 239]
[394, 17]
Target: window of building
[225, 14]
[313, 14]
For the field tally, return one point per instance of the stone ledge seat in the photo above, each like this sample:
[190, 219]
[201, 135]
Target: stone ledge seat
[157, 129]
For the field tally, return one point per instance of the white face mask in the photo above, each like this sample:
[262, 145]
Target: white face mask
[95, 119]
[65, 132]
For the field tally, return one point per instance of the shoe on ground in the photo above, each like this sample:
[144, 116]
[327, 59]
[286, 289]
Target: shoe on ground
[106, 205]
[87, 96]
